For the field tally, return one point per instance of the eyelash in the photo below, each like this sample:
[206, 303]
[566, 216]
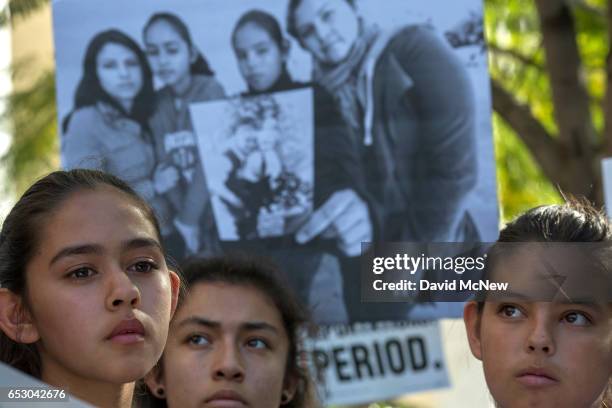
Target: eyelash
[190, 340]
[589, 320]
[503, 308]
[150, 266]
[72, 274]
[264, 342]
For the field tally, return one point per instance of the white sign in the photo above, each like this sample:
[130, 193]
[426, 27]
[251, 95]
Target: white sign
[366, 362]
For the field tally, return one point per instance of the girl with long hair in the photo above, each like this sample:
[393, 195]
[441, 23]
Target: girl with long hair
[86, 296]
[186, 78]
[108, 127]
[234, 341]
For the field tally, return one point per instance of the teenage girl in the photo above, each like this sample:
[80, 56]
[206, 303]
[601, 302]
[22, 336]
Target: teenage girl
[187, 78]
[86, 296]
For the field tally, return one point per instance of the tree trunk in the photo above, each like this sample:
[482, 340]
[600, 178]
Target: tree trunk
[577, 135]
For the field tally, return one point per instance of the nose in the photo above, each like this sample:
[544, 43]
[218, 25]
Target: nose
[251, 60]
[163, 58]
[321, 30]
[124, 70]
[540, 338]
[228, 365]
[122, 291]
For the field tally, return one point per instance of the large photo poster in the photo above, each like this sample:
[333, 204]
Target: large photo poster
[295, 130]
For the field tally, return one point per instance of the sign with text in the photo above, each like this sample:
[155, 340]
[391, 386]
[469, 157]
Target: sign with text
[372, 362]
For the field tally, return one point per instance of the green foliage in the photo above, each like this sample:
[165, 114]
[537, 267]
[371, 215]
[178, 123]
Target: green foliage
[34, 148]
[16, 9]
[521, 184]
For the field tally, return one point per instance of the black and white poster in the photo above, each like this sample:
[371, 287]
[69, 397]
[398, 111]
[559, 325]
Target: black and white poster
[295, 133]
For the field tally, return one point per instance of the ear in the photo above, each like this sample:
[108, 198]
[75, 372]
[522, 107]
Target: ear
[155, 381]
[285, 48]
[15, 321]
[175, 287]
[471, 318]
[193, 54]
[289, 389]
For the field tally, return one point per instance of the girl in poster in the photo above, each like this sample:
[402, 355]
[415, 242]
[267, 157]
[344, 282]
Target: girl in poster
[262, 52]
[187, 78]
[108, 130]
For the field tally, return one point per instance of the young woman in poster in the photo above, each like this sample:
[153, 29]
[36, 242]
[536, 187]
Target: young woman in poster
[85, 294]
[108, 128]
[262, 52]
[187, 78]
[233, 342]
[409, 102]
[542, 353]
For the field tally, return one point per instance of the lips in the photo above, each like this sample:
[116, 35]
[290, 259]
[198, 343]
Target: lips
[166, 73]
[537, 377]
[128, 332]
[226, 399]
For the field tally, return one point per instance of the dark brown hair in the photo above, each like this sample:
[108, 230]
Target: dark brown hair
[89, 91]
[264, 276]
[20, 238]
[200, 65]
[575, 221]
[291, 24]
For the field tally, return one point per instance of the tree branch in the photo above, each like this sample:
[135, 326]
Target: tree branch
[546, 150]
[526, 60]
[569, 95]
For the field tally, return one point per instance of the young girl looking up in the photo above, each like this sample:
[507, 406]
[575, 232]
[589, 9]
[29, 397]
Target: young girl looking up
[86, 297]
[187, 78]
[549, 342]
[233, 341]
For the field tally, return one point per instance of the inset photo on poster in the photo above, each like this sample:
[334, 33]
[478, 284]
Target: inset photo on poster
[259, 163]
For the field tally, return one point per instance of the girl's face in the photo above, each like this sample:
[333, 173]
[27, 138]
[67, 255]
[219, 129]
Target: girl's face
[327, 28]
[543, 354]
[228, 348]
[169, 55]
[99, 290]
[119, 72]
[260, 58]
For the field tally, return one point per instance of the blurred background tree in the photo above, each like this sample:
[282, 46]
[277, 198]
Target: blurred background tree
[550, 68]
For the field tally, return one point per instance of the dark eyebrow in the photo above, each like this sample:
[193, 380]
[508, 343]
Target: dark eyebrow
[590, 303]
[77, 250]
[96, 249]
[247, 326]
[251, 326]
[512, 295]
[137, 243]
[200, 321]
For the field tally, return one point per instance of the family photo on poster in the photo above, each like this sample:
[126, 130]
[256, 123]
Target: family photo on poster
[292, 129]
